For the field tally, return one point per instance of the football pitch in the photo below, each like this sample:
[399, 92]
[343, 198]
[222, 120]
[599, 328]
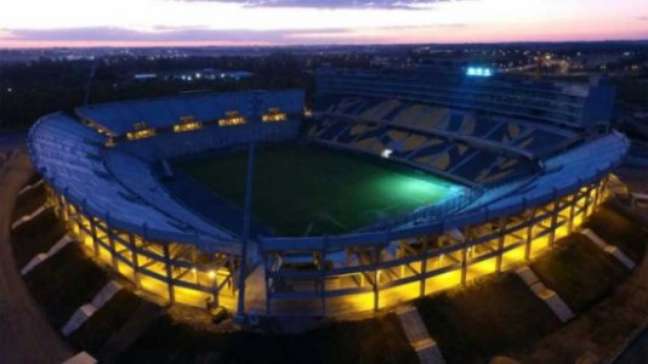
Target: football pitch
[305, 190]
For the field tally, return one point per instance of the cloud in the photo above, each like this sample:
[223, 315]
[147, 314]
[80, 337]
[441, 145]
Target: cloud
[167, 35]
[164, 34]
[334, 4]
[642, 18]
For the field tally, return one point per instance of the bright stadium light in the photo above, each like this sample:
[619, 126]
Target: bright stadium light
[386, 153]
[479, 72]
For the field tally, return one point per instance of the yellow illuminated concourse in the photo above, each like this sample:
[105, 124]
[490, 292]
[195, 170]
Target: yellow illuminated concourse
[180, 273]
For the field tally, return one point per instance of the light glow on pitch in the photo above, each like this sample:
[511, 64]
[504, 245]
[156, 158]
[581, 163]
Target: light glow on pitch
[410, 190]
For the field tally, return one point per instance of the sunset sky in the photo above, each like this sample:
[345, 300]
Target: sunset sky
[43, 23]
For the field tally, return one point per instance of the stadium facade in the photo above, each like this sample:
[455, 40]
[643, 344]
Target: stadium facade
[535, 159]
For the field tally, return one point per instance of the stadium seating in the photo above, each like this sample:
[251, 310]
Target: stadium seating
[430, 151]
[567, 169]
[530, 137]
[437, 137]
[69, 156]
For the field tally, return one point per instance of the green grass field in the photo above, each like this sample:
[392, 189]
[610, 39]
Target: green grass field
[304, 190]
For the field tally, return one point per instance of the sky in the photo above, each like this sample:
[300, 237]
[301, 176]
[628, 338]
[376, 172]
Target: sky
[83, 23]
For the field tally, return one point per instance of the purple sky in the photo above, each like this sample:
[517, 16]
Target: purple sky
[37, 23]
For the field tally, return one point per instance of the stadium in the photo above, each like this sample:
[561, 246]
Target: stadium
[396, 186]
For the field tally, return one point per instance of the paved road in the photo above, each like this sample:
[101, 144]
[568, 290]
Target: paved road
[25, 335]
[637, 352]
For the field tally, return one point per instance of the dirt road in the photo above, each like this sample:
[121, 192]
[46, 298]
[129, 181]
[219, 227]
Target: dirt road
[25, 334]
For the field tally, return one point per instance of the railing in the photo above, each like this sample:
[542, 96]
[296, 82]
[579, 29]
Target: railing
[175, 271]
[370, 277]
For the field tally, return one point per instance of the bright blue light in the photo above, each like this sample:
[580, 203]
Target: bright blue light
[479, 72]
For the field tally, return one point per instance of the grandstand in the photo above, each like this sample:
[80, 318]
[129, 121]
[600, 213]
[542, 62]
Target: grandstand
[530, 162]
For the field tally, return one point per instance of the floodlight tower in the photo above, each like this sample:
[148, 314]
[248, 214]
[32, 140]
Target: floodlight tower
[93, 71]
[240, 311]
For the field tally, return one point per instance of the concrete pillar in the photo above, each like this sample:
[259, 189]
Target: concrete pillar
[588, 201]
[113, 247]
[194, 270]
[268, 294]
[136, 266]
[597, 193]
[376, 277]
[464, 259]
[500, 243]
[572, 207]
[423, 268]
[169, 273]
[554, 219]
[93, 231]
[529, 235]
[322, 270]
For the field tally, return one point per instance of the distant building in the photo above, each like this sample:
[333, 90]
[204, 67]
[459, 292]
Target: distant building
[208, 74]
[145, 76]
[195, 75]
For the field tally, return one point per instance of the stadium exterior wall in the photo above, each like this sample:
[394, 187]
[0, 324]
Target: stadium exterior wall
[375, 274]
[177, 272]
[326, 275]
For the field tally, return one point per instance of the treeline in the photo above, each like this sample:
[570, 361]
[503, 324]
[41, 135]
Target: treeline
[31, 90]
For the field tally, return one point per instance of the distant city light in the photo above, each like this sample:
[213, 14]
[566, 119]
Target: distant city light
[387, 153]
[9, 90]
[479, 72]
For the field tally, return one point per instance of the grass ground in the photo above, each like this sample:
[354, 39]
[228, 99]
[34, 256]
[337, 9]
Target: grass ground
[95, 332]
[36, 236]
[617, 228]
[307, 190]
[579, 271]
[494, 315]
[370, 341]
[64, 282]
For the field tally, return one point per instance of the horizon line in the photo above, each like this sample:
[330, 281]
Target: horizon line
[313, 45]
